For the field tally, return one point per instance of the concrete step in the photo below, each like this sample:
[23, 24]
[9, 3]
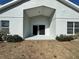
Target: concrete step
[40, 37]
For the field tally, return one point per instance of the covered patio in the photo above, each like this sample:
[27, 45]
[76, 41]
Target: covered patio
[39, 21]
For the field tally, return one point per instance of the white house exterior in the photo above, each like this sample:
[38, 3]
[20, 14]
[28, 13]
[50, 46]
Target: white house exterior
[43, 18]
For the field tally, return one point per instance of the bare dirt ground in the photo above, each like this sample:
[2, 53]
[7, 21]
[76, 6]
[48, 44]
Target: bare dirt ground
[40, 50]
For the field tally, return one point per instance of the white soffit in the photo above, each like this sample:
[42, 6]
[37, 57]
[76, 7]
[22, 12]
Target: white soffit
[40, 10]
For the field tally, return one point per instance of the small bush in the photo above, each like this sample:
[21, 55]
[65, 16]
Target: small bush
[76, 35]
[9, 38]
[2, 34]
[1, 38]
[64, 38]
[15, 38]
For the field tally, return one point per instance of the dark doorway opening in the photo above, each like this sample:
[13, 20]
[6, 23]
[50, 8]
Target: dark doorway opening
[35, 29]
[38, 29]
[41, 29]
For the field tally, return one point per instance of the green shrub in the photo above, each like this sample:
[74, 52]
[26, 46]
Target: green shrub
[2, 34]
[64, 38]
[15, 38]
[1, 38]
[76, 35]
[9, 38]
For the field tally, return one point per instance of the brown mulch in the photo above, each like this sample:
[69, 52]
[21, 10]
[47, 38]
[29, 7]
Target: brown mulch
[43, 49]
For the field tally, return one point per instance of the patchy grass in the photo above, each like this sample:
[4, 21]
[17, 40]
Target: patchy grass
[40, 50]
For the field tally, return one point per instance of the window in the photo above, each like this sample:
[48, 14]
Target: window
[5, 26]
[4, 23]
[76, 27]
[72, 27]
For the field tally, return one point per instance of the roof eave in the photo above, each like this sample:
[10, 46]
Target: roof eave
[12, 5]
[69, 5]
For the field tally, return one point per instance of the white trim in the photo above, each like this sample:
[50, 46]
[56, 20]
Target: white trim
[72, 3]
[73, 28]
[8, 3]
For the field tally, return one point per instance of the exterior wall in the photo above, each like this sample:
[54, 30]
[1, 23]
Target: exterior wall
[61, 25]
[63, 14]
[16, 25]
[53, 25]
[40, 20]
[26, 25]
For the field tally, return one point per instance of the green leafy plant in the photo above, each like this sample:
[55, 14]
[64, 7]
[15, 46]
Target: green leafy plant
[9, 38]
[76, 35]
[2, 35]
[17, 38]
[14, 38]
[64, 38]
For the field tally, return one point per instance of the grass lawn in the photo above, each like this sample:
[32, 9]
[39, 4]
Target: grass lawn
[40, 50]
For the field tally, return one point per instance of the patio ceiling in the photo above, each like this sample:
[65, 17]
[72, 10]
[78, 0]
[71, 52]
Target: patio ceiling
[40, 10]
